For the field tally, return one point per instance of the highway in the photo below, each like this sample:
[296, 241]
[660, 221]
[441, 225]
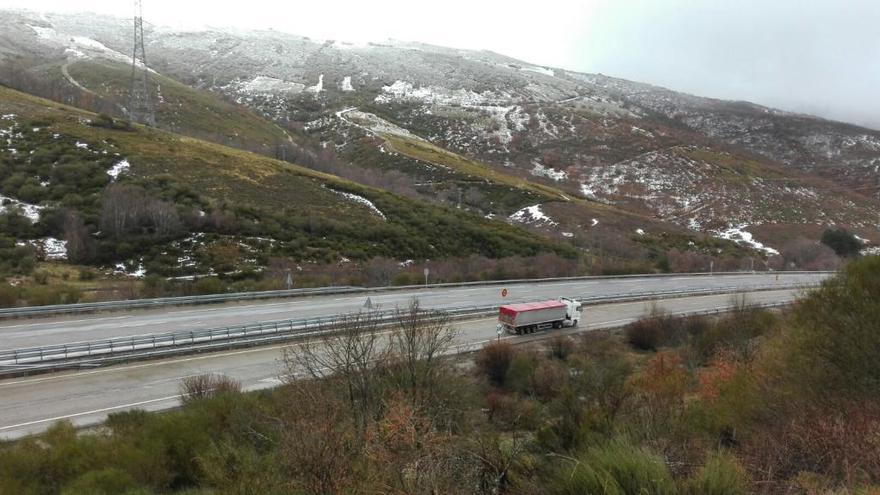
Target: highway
[30, 405]
[19, 333]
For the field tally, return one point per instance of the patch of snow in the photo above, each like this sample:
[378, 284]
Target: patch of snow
[740, 236]
[82, 146]
[31, 212]
[269, 85]
[593, 222]
[362, 200]
[567, 234]
[317, 88]
[540, 70]
[8, 116]
[532, 214]
[373, 124]
[640, 232]
[346, 84]
[119, 168]
[54, 249]
[862, 239]
[540, 170]
[870, 251]
[402, 90]
[139, 272]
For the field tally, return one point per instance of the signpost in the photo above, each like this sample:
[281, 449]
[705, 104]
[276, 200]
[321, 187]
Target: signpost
[427, 272]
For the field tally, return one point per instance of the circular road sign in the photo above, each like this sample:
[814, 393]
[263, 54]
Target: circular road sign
[503, 292]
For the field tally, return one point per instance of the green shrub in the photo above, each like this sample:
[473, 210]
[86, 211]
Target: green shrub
[582, 479]
[636, 470]
[842, 242]
[108, 481]
[832, 347]
[720, 475]
[615, 468]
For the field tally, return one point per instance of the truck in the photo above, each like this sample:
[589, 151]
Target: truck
[529, 317]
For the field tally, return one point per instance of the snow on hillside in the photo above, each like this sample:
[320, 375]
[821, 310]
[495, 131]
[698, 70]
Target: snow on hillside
[32, 212]
[267, 85]
[79, 47]
[117, 169]
[532, 215]
[740, 235]
[540, 170]
[362, 201]
[371, 123]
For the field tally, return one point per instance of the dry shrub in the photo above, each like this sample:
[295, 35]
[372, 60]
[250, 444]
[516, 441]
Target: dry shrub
[840, 443]
[660, 329]
[494, 360]
[560, 347]
[721, 369]
[206, 385]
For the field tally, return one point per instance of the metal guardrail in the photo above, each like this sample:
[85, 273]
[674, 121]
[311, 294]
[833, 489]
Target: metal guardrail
[164, 344]
[169, 301]
[250, 296]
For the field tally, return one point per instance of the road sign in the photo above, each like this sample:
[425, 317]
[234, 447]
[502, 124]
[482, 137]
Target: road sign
[368, 303]
[503, 292]
[426, 272]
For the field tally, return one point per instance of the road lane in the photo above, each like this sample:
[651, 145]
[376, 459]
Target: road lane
[78, 328]
[30, 405]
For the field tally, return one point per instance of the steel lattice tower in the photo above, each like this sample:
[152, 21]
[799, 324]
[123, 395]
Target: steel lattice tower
[140, 107]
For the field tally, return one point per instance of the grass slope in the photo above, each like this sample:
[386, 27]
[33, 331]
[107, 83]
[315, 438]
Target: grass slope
[278, 198]
[183, 109]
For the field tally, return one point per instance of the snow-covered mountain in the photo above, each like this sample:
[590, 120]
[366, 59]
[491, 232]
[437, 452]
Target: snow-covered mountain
[731, 169]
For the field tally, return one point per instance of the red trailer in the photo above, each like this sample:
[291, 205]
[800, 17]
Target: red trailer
[523, 318]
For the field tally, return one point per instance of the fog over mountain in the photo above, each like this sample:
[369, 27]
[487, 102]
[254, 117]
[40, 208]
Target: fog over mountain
[808, 56]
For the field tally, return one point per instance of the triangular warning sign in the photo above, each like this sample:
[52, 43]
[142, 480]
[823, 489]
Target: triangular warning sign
[368, 304]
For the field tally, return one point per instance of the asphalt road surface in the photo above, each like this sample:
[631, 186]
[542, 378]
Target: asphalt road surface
[19, 333]
[30, 405]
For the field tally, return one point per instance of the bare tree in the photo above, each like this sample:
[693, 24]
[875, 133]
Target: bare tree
[197, 387]
[419, 339]
[80, 247]
[350, 351]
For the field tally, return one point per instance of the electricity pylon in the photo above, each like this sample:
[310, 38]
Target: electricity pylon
[140, 107]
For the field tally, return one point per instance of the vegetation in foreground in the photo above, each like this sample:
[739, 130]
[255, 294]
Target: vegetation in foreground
[752, 402]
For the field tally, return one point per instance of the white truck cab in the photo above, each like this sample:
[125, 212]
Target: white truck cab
[572, 311]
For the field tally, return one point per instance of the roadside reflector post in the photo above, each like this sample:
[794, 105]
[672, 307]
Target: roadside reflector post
[498, 330]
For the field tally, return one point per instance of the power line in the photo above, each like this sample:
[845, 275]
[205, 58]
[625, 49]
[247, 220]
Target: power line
[140, 107]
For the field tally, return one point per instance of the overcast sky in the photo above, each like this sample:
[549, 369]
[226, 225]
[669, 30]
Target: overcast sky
[814, 56]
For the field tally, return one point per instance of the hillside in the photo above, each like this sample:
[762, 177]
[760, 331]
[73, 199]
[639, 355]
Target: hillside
[86, 73]
[726, 169]
[99, 193]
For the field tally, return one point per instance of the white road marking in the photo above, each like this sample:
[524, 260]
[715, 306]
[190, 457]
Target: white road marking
[22, 325]
[86, 413]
